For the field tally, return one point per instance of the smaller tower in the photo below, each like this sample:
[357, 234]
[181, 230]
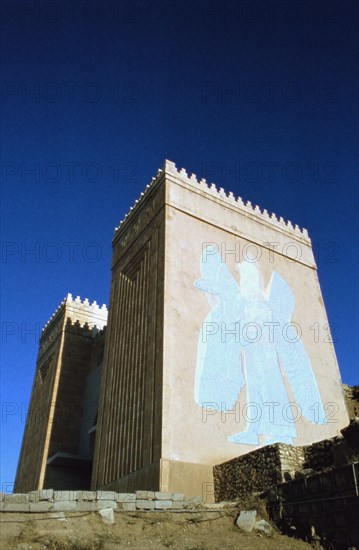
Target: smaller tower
[57, 445]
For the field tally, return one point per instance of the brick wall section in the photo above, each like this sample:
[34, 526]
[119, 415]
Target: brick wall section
[274, 464]
[351, 395]
[256, 471]
[320, 455]
[328, 501]
[49, 500]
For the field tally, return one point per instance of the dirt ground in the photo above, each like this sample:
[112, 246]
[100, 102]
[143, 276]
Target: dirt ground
[135, 531]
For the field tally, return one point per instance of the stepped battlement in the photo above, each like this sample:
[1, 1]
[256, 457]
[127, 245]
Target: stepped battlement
[85, 304]
[81, 311]
[170, 169]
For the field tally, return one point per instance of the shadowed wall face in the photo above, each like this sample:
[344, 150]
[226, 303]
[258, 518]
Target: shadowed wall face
[37, 423]
[69, 460]
[52, 455]
[128, 445]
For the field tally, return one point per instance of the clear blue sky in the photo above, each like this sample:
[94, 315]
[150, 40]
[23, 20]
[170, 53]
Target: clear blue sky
[259, 97]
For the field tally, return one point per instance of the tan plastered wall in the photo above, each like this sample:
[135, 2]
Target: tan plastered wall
[193, 218]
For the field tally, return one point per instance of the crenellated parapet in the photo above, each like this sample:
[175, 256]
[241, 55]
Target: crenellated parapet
[83, 311]
[79, 311]
[219, 194]
[139, 201]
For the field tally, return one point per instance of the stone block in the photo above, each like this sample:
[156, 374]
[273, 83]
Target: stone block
[246, 520]
[163, 496]
[2, 496]
[106, 495]
[163, 504]
[126, 497]
[42, 506]
[145, 495]
[46, 494]
[20, 498]
[129, 506]
[64, 495]
[107, 515]
[64, 505]
[86, 495]
[16, 507]
[142, 504]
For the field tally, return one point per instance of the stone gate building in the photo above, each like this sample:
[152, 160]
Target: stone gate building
[216, 344]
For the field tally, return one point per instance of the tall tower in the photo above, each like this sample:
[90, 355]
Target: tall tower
[217, 340]
[128, 447]
[56, 449]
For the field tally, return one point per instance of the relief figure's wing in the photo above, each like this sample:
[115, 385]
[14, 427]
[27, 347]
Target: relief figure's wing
[295, 362]
[291, 352]
[280, 298]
